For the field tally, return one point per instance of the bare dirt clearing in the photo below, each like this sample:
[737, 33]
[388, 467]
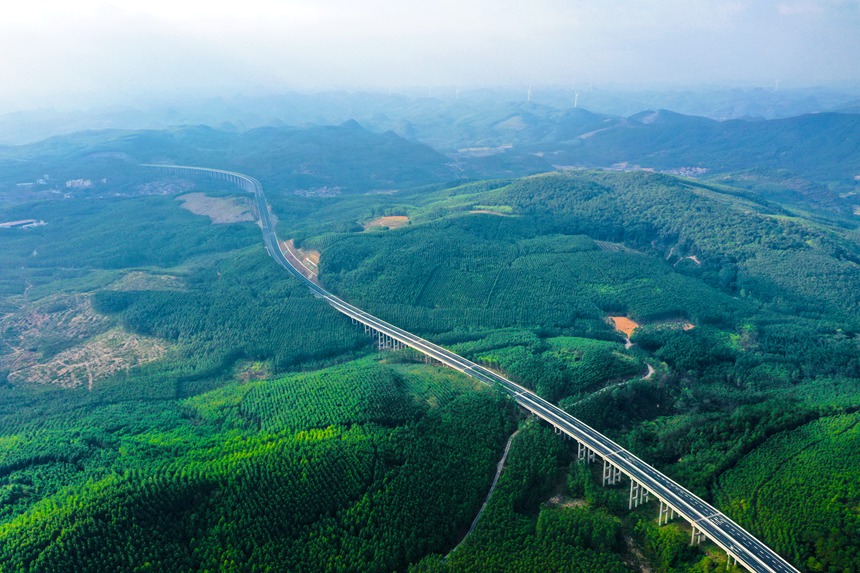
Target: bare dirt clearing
[559, 500]
[391, 222]
[614, 247]
[221, 210]
[106, 354]
[246, 370]
[624, 324]
[62, 340]
[139, 280]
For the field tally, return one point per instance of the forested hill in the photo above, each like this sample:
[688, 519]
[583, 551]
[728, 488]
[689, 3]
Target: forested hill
[824, 146]
[345, 158]
[735, 244]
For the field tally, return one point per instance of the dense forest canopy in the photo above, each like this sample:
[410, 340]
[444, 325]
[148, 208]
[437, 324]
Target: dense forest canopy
[172, 400]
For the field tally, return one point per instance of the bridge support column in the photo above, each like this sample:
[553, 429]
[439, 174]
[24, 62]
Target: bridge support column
[584, 453]
[638, 494]
[663, 517]
[611, 474]
[696, 535]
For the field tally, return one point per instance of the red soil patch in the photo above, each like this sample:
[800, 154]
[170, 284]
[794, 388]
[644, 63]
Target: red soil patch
[624, 324]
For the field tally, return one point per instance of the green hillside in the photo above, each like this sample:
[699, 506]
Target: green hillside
[313, 160]
[172, 400]
[749, 316]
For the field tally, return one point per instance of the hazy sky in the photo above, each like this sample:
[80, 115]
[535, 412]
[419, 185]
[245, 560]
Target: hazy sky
[56, 50]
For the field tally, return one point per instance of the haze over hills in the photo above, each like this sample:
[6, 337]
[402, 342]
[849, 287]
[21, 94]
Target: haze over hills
[345, 158]
[384, 110]
[810, 161]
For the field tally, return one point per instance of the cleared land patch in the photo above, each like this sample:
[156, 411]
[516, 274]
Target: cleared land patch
[488, 212]
[308, 259]
[106, 354]
[48, 326]
[139, 280]
[500, 210]
[624, 324]
[390, 222]
[221, 210]
[62, 340]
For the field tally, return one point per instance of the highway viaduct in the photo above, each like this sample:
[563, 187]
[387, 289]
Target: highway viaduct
[674, 500]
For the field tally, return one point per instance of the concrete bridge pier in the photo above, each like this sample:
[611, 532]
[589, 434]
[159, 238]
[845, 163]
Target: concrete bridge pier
[666, 513]
[696, 535]
[638, 494]
[611, 474]
[584, 453]
[729, 558]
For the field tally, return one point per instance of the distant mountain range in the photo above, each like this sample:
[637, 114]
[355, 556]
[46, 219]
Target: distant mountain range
[822, 146]
[345, 158]
[810, 161]
[380, 111]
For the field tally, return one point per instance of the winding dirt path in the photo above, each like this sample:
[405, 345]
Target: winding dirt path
[651, 372]
[646, 376]
[499, 468]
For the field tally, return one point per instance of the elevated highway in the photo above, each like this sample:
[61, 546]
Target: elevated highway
[645, 481]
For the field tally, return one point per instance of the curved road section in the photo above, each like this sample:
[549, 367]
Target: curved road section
[705, 520]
